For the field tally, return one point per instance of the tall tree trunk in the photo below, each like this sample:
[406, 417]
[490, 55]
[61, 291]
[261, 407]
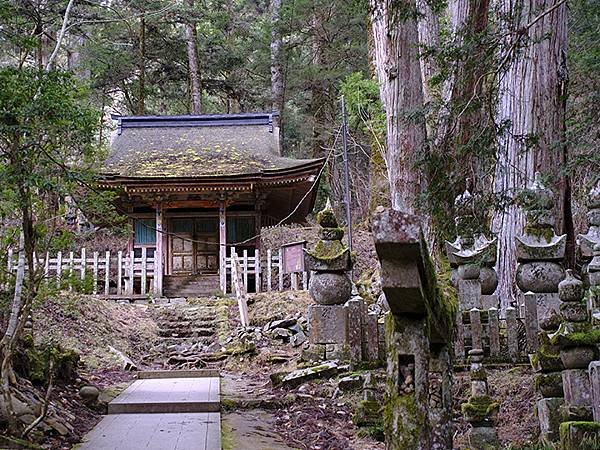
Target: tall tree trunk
[470, 19]
[531, 108]
[142, 55]
[277, 75]
[398, 70]
[319, 85]
[191, 36]
[429, 38]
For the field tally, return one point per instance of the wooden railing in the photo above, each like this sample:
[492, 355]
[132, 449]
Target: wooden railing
[268, 274]
[108, 274]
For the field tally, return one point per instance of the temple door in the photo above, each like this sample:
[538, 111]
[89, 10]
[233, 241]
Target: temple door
[182, 246]
[207, 245]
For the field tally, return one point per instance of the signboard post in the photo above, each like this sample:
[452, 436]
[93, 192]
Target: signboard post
[293, 257]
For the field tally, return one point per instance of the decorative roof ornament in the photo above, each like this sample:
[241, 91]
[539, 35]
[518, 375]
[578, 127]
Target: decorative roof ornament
[537, 201]
[472, 247]
[587, 241]
[539, 240]
[469, 245]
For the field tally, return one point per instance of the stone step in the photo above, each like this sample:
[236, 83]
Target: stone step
[202, 323]
[194, 332]
[168, 395]
[185, 340]
[200, 373]
[192, 431]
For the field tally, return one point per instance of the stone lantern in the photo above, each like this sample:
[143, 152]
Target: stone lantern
[540, 252]
[330, 286]
[472, 257]
[587, 241]
[329, 262]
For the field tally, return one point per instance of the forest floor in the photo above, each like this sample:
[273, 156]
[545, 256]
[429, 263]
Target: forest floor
[315, 415]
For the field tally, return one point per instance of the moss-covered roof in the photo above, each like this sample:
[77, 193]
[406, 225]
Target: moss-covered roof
[196, 150]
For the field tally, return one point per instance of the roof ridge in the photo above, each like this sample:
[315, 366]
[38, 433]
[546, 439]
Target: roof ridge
[202, 120]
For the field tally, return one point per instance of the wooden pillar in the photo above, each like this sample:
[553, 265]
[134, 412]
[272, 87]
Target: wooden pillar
[222, 246]
[159, 253]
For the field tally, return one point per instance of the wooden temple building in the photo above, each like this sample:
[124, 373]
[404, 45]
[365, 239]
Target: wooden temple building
[193, 186]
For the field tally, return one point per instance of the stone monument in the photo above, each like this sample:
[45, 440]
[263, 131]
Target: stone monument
[480, 409]
[540, 253]
[587, 241]
[417, 410]
[475, 285]
[330, 286]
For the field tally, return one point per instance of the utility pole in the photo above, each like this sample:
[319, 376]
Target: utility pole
[346, 173]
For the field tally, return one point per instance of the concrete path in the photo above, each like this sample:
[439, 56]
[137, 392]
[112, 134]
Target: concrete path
[178, 413]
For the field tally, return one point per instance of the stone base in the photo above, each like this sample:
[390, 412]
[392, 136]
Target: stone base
[594, 371]
[489, 301]
[548, 305]
[483, 438]
[337, 351]
[328, 324]
[579, 435]
[314, 353]
[576, 386]
[550, 416]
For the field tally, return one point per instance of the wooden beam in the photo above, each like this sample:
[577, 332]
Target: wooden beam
[222, 246]
[158, 254]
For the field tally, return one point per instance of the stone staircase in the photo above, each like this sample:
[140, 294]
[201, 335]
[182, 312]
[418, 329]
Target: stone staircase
[186, 332]
[190, 285]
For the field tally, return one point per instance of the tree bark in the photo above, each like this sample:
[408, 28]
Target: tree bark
[398, 70]
[531, 109]
[429, 38]
[277, 75]
[319, 85]
[191, 36]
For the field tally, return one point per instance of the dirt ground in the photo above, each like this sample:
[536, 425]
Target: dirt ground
[315, 415]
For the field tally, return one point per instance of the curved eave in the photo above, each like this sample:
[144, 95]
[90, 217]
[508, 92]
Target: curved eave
[265, 177]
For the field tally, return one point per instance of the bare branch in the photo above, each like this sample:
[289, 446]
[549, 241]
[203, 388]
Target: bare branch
[61, 36]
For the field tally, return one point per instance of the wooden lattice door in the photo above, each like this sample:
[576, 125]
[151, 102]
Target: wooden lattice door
[207, 245]
[182, 246]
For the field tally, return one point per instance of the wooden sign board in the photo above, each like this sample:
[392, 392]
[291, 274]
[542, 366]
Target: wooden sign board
[293, 257]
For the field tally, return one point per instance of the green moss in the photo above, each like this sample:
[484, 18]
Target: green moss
[328, 250]
[479, 409]
[33, 362]
[550, 380]
[227, 404]
[591, 337]
[547, 357]
[368, 413]
[441, 299]
[16, 443]
[589, 430]
[374, 432]
[227, 437]
[403, 421]
[546, 233]
[326, 218]
[478, 375]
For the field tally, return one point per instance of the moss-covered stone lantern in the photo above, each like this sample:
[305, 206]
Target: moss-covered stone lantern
[329, 262]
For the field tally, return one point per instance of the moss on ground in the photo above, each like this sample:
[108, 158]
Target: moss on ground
[227, 437]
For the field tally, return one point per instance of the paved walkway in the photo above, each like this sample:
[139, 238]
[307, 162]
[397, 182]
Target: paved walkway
[178, 413]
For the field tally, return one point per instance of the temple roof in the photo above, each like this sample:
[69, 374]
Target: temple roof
[200, 147]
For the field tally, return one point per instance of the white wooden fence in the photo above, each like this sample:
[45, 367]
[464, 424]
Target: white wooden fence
[112, 273]
[268, 272]
[109, 273]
